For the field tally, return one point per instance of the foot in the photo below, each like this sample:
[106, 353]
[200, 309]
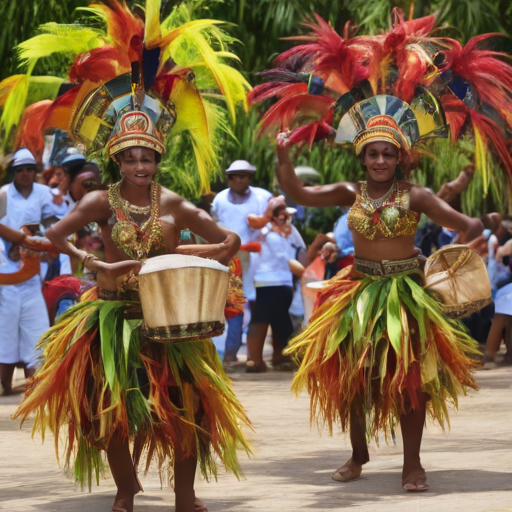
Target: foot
[123, 503]
[124, 499]
[183, 504]
[283, 364]
[199, 506]
[415, 481]
[489, 365]
[349, 471]
[229, 364]
[507, 360]
[489, 361]
[5, 391]
[253, 367]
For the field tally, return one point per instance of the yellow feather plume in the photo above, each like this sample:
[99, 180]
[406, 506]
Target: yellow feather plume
[7, 85]
[152, 31]
[19, 91]
[58, 39]
[192, 48]
[192, 117]
[481, 157]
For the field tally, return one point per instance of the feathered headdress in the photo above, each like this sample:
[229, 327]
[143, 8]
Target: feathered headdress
[400, 86]
[132, 84]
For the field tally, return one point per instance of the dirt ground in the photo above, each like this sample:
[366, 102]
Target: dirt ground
[469, 469]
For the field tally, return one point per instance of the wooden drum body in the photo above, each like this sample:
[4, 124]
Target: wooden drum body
[182, 298]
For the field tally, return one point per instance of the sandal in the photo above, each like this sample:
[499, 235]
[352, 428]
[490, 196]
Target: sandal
[252, 367]
[347, 475]
[285, 366]
[199, 506]
[419, 485]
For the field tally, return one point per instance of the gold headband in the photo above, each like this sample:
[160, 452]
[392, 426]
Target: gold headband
[379, 134]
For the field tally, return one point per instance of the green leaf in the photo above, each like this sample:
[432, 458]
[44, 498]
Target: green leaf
[416, 311]
[366, 306]
[128, 327]
[109, 315]
[394, 325]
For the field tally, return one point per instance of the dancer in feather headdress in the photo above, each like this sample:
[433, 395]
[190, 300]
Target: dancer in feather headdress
[103, 382]
[380, 347]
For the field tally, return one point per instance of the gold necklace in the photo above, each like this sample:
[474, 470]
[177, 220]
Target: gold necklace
[136, 241]
[377, 203]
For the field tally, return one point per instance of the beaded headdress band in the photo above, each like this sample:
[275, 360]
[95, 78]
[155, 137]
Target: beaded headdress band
[389, 119]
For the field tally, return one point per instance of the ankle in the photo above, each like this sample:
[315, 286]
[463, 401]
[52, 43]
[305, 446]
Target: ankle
[5, 389]
[412, 465]
[184, 501]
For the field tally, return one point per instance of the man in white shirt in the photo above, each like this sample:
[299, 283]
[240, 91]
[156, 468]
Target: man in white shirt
[73, 177]
[230, 208]
[23, 313]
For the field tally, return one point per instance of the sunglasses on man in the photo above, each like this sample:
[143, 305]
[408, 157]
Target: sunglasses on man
[235, 175]
[28, 168]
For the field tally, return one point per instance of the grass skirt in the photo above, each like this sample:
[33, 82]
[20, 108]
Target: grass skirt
[382, 341]
[99, 378]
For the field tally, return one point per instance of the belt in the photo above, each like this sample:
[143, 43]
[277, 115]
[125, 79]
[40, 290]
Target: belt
[122, 295]
[386, 267]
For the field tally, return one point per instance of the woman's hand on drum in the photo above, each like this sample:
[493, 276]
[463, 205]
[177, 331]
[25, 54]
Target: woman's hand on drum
[112, 269]
[210, 251]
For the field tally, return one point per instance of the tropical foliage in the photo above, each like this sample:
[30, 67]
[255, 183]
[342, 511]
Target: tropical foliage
[260, 26]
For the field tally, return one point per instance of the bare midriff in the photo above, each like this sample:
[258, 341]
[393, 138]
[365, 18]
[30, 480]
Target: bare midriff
[380, 249]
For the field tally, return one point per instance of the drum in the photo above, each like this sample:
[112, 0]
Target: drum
[457, 275]
[182, 298]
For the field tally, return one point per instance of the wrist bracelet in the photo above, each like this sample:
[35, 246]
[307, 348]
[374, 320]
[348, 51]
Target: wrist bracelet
[88, 257]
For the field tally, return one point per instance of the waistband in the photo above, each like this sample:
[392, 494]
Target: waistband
[386, 267]
[123, 295]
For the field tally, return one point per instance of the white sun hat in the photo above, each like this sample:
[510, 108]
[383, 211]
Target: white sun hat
[23, 157]
[241, 166]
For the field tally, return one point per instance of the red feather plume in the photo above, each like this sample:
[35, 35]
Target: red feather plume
[493, 136]
[485, 70]
[314, 132]
[99, 65]
[276, 90]
[39, 117]
[331, 56]
[31, 128]
[288, 110]
[125, 30]
[456, 114]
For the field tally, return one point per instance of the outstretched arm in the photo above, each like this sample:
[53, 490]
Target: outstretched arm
[424, 201]
[86, 211]
[336, 194]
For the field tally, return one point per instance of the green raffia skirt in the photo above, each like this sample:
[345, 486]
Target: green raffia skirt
[100, 378]
[381, 341]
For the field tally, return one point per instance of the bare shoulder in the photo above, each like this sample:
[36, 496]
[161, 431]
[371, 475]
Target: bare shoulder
[170, 202]
[97, 200]
[422, 199]
[416, 192]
